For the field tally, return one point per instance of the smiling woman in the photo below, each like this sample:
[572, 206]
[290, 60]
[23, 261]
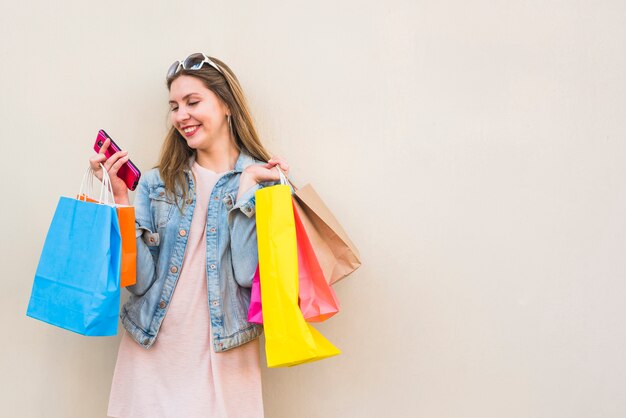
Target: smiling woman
[218, 111]
[192, 352]
[198, 114]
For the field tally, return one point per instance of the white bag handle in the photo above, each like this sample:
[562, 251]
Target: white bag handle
[105, 198]
[106, 187]
[283, 178]
[87, 176]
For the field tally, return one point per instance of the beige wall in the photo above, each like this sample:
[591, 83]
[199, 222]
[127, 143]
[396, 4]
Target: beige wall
[473, 149]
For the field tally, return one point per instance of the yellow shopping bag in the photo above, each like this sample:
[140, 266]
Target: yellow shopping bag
[289, 339]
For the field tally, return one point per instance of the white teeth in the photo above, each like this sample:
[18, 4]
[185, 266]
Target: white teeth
[187, 130]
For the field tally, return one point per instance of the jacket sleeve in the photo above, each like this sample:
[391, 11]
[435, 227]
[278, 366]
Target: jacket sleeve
[243, 239]
[147, 254]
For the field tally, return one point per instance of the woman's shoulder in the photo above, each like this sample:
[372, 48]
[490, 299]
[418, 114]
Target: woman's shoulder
[245, 160]
[152, 182]
[152, 177]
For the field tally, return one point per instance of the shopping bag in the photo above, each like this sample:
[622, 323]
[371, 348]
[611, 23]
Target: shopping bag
[289, 339]
[126, 218]
[317, 300]
[336, 253]
[255, 312]
[76, 285]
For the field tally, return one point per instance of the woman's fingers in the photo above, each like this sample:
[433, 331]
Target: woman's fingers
[104, 147]
[278, 161]
[271, 174]
[96, 160]
[111, 164]
[113, 159]
[94, 163]
[117, 165]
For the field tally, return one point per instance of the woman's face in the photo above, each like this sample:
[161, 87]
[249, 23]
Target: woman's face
[197, 113]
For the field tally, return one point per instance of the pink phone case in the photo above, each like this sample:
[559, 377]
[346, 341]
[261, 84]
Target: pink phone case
[129, 171]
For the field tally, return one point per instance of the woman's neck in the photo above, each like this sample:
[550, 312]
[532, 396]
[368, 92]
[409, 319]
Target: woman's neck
[219, 157]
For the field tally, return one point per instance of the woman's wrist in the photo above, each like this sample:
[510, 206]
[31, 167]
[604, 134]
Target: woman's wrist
[121, 199]
[246, 181]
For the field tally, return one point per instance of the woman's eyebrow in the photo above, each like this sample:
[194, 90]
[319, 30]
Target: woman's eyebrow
[173, 101]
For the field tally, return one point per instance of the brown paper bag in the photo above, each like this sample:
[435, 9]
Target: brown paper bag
[337, 255]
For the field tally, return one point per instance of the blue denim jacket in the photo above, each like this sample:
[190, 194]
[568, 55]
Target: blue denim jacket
[231, 257]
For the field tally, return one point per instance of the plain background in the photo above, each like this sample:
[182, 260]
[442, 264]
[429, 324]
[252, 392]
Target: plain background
[474, 150]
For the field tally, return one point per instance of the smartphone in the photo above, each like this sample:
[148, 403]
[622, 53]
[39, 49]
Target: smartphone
[129, 171]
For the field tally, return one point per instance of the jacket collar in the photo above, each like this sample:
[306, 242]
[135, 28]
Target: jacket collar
[244, 160]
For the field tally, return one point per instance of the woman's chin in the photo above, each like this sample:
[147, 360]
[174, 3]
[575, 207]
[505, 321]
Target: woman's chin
[194, 143]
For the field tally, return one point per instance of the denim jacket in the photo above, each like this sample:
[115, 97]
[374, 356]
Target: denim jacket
[231, 257]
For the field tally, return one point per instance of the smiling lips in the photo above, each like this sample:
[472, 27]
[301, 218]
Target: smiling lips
[190, 130]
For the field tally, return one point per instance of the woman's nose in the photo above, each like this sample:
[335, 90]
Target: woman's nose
[181, 115]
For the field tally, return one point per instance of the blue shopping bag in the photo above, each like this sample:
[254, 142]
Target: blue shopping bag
[77, 283]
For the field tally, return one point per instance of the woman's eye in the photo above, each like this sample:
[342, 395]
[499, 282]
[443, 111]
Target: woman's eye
[192, 103]
[174, 109]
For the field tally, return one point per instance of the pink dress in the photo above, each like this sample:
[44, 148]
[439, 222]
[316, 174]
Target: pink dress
[181, 375]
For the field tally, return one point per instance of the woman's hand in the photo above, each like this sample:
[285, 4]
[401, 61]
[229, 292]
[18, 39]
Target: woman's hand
[111, 165]
[267, 172]
[258, 173]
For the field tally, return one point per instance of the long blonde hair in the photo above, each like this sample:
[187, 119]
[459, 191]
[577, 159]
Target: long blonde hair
[175, 152]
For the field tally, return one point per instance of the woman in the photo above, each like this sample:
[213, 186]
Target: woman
[188, 350]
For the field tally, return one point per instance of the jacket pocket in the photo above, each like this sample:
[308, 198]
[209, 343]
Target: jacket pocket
[161, 204]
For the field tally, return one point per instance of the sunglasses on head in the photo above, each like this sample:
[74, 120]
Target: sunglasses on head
[192, 62]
